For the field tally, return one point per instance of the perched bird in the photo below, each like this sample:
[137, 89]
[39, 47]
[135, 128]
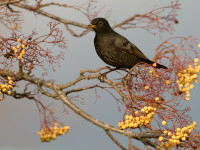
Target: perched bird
[114, 49]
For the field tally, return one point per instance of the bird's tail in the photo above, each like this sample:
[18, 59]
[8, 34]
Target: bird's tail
[155, 65]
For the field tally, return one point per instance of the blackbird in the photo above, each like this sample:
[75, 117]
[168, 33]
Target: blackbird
[114, 49]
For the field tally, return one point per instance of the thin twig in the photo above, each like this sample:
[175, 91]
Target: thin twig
[115, 140]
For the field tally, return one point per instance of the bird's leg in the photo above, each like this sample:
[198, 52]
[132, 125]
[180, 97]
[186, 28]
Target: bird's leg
[104, 75]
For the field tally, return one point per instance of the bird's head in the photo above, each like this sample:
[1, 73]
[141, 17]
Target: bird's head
[99, 25]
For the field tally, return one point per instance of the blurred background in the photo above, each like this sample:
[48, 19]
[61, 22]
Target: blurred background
[19, 119]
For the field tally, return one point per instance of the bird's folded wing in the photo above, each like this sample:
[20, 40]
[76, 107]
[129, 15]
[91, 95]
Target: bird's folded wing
[125, 45]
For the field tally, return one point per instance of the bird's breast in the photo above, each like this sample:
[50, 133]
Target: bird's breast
[107, 51]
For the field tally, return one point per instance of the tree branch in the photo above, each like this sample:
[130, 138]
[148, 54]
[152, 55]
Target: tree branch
[114, 140]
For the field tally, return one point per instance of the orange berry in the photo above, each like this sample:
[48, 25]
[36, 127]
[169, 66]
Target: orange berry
[19, 57]
[146, 87]
[154, 64]
[24, 43]
[19, 40]
[167, 82]
[151, 71]
[15, 26]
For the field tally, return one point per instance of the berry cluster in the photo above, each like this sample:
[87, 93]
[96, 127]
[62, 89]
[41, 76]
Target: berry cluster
[176, 138]
[47, 134]
[19, 50]
[6, 88]
[147, 114]
[187, 77]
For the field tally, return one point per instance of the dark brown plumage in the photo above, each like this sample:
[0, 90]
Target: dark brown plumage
[114, 49]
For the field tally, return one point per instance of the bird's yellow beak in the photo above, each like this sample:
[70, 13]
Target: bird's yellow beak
[91, 26]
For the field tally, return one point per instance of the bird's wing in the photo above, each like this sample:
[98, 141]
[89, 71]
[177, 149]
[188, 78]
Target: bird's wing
[125, 45]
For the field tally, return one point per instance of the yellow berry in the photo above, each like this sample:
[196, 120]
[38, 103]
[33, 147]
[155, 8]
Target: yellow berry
[198, 45]
[165, 132]
[15, 51]
[162, 144]
[123, 127]
[190, 130]
[147, 121]
[169, 133]
[177, 142]
[178, 129]
[196, 60]
[173, 137]
[136, 112]
[18, 46]
[194, 123]
[9, 92]
[24, 43]
[15, 26]
[149, 115]
[135, 125]
[160, 138]
[131, 125]
[19, 40]
[127, 121]
[9, 78]
[164, 122]
[137, 118]
[4, 90]
[23, 46]
[183, 138]
[127, 116]
[151, 71]
[10, 87]
[191, 86]
[14, 48]
[156, 98]
[53, 136]
[23, 51]
[10, 82]
[130, 117]
[179, 74]
[187, 98]
[167, 82]
[146, 87]
[56, 124]
[19, 57]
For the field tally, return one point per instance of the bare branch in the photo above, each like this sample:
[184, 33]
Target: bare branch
[6, 2]
[41, 12]
[114, 140]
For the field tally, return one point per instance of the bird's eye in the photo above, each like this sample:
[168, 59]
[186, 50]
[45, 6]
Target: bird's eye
[100, 23]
